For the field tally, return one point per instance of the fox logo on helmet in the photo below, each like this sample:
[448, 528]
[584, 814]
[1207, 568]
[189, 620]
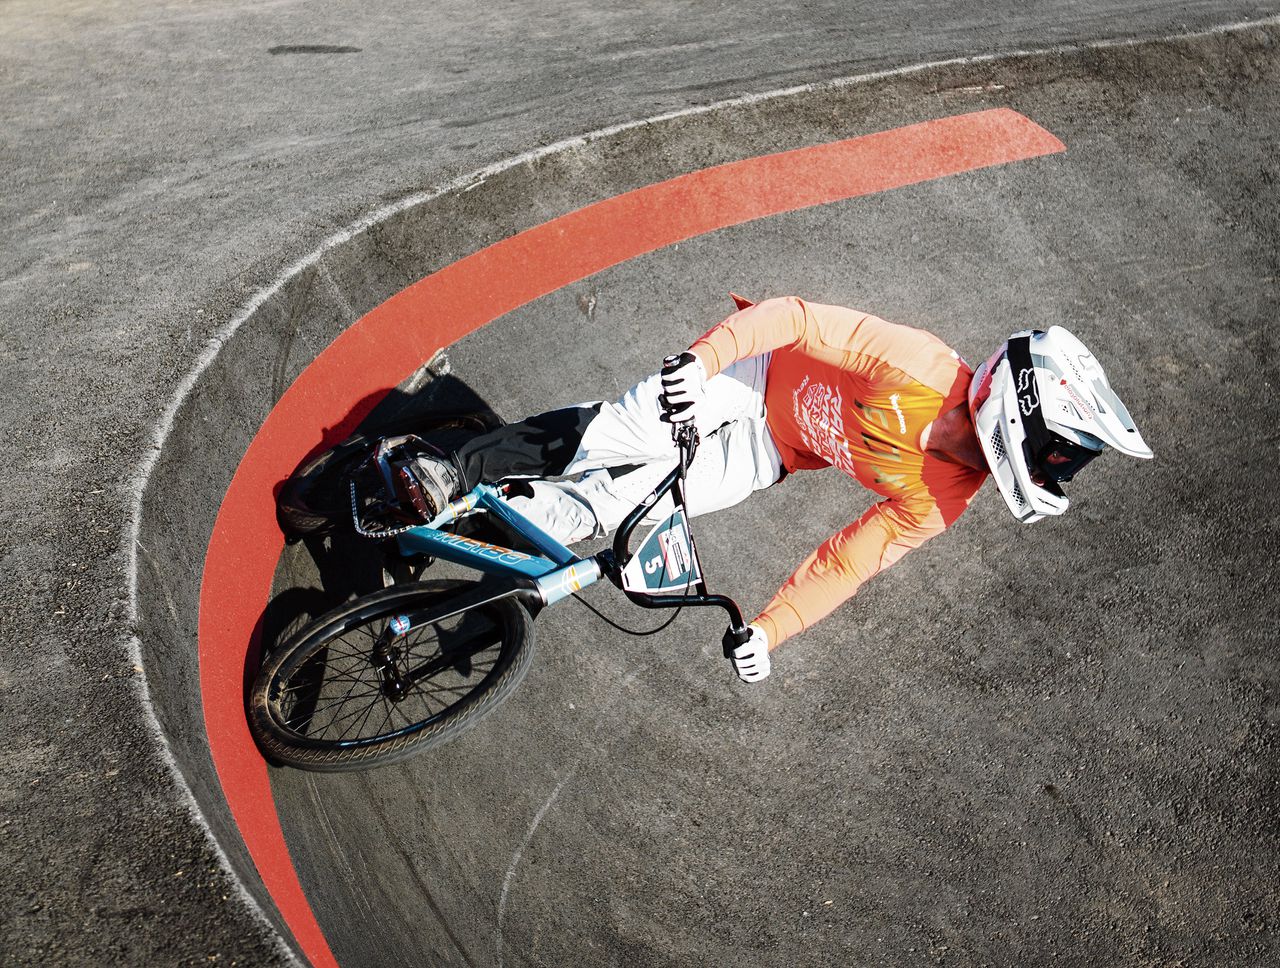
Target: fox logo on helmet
[1028, 398]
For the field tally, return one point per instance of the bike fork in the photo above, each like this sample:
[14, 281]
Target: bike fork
[384, 657]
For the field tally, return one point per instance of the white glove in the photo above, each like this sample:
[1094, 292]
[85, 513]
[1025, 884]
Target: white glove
[684, 386]
[751, 659]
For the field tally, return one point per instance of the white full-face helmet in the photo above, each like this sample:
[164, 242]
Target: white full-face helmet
[1042, 408]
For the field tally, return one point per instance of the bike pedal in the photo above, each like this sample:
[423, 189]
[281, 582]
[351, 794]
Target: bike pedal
[410, 488]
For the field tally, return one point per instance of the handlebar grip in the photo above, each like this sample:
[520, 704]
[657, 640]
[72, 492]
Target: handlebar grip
[676, 360]
[734, 638]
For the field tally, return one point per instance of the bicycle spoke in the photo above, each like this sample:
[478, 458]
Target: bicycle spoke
[389, 706]
[337, 704]
[317, 685]
[416, 645]
[437, 690]
[397, 707]
[361, 712]
[340, 703]
[483, 670]
[365, 718]
[328, 703]
[357, 651]
[299, 728]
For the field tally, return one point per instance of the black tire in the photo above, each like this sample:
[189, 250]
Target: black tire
[316, 499]
[313, 668]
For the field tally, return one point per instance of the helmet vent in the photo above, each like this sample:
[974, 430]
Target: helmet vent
[997, 443]
[1018, 495]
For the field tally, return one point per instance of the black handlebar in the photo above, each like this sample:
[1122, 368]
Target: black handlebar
[686, 437]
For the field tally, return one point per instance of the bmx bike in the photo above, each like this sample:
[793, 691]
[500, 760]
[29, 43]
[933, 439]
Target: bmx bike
[410, 666]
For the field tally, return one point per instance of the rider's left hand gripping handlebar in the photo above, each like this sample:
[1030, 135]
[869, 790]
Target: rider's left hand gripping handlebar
[748, 652]
[734, 638]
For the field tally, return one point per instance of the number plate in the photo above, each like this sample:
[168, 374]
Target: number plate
[665, 561]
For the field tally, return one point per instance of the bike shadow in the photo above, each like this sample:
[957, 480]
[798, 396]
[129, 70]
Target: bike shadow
[320, 573]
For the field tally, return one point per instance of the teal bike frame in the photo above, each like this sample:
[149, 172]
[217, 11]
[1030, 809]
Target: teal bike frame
[554, 572]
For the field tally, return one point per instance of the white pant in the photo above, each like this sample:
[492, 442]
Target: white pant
[736, 456]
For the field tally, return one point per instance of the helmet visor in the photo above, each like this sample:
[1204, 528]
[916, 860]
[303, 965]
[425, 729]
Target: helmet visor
[1059, 459]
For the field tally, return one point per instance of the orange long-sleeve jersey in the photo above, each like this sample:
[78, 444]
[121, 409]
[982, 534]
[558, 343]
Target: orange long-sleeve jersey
[851, 390]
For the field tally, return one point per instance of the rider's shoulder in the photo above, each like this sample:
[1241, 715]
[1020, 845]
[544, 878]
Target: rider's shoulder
[918, 353]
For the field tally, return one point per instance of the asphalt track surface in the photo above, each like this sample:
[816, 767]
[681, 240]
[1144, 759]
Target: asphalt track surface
[1020, 746]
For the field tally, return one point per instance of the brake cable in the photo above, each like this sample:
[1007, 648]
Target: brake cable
[688, 585]
[621, 628]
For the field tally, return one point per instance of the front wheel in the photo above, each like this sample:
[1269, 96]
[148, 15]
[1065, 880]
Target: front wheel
[382, 677]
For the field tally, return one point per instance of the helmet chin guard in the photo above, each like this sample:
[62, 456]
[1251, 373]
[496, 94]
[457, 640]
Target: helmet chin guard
[1043, 409]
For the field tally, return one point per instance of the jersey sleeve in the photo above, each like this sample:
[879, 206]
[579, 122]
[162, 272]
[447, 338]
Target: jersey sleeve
[854, 342]
[837, 569]
[758, 329]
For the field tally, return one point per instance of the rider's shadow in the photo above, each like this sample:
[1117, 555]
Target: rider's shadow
[320, 573]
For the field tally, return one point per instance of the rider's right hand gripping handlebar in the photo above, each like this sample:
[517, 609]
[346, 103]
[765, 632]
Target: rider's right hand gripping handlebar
[682, 427]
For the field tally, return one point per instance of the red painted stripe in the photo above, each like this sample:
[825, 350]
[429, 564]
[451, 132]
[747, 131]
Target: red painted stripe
[389, 343]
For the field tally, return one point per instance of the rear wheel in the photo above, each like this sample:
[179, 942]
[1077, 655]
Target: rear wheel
[316, 499]
[381, 678]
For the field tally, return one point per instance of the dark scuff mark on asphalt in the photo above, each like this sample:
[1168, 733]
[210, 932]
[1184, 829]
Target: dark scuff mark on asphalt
[413, 872]
[312, 49]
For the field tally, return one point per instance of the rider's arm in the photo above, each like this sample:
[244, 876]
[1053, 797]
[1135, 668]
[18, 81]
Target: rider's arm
[835, 571]
[761, 328]
[861, 345]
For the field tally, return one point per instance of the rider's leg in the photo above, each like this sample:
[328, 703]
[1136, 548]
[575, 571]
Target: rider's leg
[533, 447]
[575, 440]
[539, 446]
[735, 458]
[631, 431]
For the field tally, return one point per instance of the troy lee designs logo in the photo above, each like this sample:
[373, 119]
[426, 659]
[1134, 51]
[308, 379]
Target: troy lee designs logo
[902, 420]
[819, 416]
[1084, 407]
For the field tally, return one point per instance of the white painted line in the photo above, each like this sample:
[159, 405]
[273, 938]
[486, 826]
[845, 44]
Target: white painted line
[519, 853]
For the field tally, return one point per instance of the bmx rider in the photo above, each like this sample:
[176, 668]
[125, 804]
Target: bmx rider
[789, 385]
